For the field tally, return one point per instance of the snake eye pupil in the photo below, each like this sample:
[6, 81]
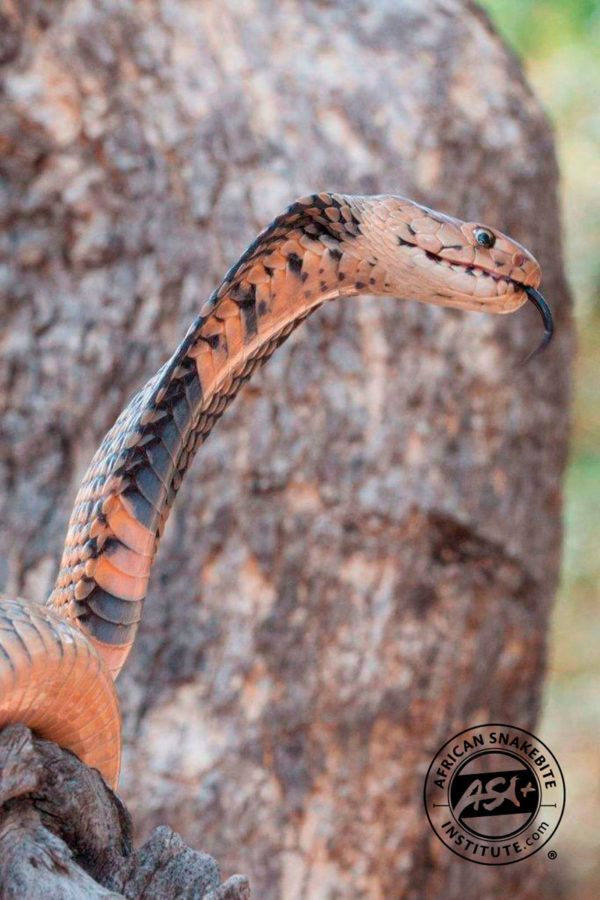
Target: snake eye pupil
[484, 237]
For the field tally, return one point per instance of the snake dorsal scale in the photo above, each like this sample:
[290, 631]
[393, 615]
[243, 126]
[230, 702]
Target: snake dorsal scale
[53, 680]
[126, 496]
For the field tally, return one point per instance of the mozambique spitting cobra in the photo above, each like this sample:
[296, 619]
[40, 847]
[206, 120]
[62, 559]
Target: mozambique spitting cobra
[58, 660]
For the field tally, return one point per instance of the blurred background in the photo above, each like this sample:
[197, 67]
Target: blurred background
[143, 146]
[558, 41]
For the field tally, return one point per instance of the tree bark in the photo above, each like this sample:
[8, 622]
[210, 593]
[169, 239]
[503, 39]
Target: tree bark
[363, 558]
[65, 835]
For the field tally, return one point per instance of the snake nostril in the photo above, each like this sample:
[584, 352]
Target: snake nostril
[518, 259]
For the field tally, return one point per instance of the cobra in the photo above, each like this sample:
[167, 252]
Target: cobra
[58, 660]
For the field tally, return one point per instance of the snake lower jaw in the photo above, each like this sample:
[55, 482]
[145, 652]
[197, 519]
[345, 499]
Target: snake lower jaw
[498, 305]
[509, 303]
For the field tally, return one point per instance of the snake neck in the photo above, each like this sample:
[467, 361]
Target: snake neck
[306, 256]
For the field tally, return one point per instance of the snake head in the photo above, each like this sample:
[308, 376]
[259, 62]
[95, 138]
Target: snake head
[436, 258]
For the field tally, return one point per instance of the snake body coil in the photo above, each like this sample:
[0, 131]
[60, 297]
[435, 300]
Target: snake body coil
[56, 662]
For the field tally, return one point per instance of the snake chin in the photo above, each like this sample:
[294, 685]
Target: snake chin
[479, 288]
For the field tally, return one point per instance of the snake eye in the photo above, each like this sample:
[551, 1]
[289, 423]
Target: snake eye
[484, 237]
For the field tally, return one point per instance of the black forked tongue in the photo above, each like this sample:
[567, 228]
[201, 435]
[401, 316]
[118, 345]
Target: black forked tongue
[544, 311]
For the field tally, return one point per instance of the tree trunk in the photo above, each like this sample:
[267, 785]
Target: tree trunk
[363, 557]
[64, 835]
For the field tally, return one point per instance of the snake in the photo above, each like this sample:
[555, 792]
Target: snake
[59, 659]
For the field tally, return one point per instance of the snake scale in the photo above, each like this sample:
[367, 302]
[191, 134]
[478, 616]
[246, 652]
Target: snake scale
[58, 660]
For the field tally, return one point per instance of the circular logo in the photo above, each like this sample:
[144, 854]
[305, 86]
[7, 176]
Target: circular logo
[494, 794]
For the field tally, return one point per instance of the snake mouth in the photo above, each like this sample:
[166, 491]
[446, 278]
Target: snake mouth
[531, 293]
[472, 269]
[518, 287]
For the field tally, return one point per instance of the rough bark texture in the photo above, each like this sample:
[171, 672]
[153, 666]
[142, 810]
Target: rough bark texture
[64, 835]
[363, 558]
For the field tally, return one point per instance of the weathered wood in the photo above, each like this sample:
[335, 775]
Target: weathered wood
[362, 560]
[64, 834]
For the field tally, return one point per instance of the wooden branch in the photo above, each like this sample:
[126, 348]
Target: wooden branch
[64, 834]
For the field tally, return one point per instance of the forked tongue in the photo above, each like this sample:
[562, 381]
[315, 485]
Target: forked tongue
[544, 311]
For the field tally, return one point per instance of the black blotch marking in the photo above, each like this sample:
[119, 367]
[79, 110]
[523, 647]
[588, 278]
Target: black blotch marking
[181, 415]
[160, 460]
[372, 280]
[323, 285]
[143, 512]
[404, 243]
[262, 308]
[247, 306]
[341, 276]
[170, 436]
[469, 270]
[295, 263]
[188, 364]
[136, 457]
[302, 216]
[453, 247]
[107, 632]
[319, 203]
[170, 496]
[150, 486]
[212, 340]
[304, 276]
[172, 391]
[360, 285]
[307, 294]
[91, 547]
[318, 229]
[193, 391]
[268, 270]
[335, 253]
[112, 609]
[432, 257]
[411, 229]
[498, 263]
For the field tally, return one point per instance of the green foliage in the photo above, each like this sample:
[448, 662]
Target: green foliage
[536, 28]
[558, 41]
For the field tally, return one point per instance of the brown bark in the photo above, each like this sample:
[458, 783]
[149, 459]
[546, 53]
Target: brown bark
[363, 558]
[65, 835]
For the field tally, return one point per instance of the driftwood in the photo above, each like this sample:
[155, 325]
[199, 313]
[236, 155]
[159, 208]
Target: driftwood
[64, 835]
[362, 560]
